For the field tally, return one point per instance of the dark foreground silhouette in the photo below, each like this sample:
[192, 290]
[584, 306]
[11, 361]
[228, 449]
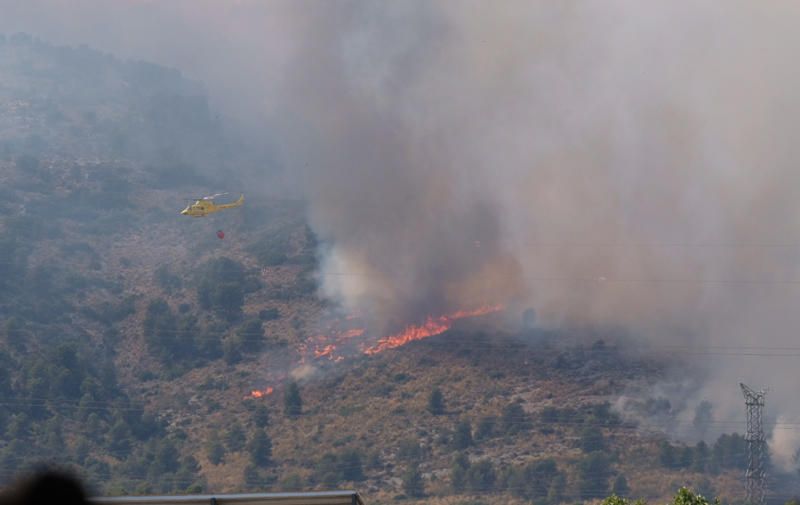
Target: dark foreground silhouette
[47, 488]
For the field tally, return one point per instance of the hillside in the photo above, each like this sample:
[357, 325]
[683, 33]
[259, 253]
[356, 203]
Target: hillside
[151, 356]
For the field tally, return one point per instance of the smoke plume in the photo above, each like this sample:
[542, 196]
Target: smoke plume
[619, 162]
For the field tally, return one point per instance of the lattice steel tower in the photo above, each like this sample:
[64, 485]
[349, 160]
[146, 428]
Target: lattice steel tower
[756, 477]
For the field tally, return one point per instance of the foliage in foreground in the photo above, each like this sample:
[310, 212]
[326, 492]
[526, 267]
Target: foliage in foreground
[684, 496]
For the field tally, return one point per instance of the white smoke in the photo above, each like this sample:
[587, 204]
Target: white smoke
[784, 444]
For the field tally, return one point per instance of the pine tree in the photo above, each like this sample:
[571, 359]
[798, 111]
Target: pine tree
[462, 437]
[592, 439]
[235, 437]
[260, 449]
[412, 482]
[620, 487]
[458, 472]
[261, 416]
[350, 462]
[436, 402]
[292, 402]
[215, 450]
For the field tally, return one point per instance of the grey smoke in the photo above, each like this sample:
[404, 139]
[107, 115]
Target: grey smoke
[603, 162]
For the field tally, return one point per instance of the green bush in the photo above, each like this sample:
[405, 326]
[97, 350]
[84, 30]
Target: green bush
[486, 427]
[462, 436]
[352, 469]
[481, 476]
[591, 439]
[409, 450]
[215, 451]
[269, 314]
[235, 437]
[458, 472]
[540, 481]
[160, 330]
[413, 485]
[514, 419]
[166, 280]
[593, 474]
[273, 249]
[332, 468]
[177, 341]
[221, 287]
[252, 334]
[293, 482]
[683, 497]
[436, 402]
[730, 451]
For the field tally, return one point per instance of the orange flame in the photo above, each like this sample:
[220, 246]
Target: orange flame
[322, 346]
[431, 327]
[325, 351]
[355, 332]
[260, 393]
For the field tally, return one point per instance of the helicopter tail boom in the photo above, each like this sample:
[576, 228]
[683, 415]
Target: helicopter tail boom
[237, 203]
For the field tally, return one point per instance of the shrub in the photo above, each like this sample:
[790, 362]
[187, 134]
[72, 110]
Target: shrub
[221, 287]
[250, 335]
[269, 314]
[514, 419]
[485, 428]
[333, 468]
[166, 280]
[160, 330]
[458, 472]
[436, 402]
[350, 463]
[462, 436]
[591, 439]
[292, 482]
[409, 450]
[481, 476]
[593, 474]
[730, 451]
[537, 481]
[412, 482]
[215, 450]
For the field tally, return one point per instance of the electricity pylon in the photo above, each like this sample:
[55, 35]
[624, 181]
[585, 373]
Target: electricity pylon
[755, 477]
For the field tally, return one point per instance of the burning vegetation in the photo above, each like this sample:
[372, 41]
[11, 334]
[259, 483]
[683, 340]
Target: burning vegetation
[260, 393]
[338, 344]
[431, 327]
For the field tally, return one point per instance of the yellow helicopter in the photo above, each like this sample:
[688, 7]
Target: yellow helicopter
[205, 206]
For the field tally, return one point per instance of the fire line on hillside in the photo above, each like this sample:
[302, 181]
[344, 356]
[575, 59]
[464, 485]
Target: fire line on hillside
[431, 327]
[336, 344]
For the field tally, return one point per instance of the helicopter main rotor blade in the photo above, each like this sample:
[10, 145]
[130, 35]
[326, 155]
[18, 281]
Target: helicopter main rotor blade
[214, 196]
